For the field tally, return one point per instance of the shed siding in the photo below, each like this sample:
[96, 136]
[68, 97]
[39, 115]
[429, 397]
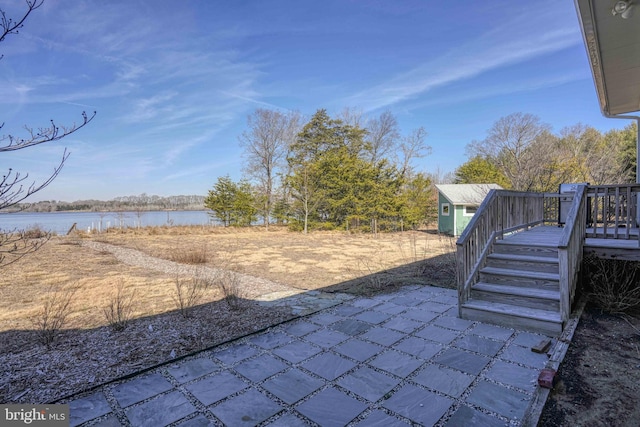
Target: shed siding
[445, 223]
[461, 219]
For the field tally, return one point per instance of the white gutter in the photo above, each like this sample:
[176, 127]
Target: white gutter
[586, 19]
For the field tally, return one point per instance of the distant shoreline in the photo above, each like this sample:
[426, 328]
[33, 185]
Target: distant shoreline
[60, 221]
[132, 210]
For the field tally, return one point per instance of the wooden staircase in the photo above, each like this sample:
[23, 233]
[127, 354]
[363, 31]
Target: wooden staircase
[515, 268]
[518, 287]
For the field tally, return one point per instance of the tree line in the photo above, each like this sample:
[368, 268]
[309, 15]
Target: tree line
[352, 172]
[142, 202]
[521, 153]
[345, 172]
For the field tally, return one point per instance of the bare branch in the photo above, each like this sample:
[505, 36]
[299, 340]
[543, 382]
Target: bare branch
[11, 26]
[42, 135]
[13, 186]
[12, 190]
[382, 135]
[16, 244]
[413, 146]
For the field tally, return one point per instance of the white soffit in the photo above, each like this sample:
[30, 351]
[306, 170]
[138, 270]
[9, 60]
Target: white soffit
[613, 48]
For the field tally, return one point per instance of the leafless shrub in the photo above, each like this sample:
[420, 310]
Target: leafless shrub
[54, 313]
[614, 284]
[376, 277]
[374, 274]
[229, 283]
[16, 244]
[437, 264]
[417, 250]
[188, 293]
[120, 308]
[35, 232]
[197, 255]
[442, 268]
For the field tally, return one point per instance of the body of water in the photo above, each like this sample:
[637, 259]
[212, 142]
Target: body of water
[61, 222]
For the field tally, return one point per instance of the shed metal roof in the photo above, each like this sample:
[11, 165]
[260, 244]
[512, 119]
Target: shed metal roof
[466, 194]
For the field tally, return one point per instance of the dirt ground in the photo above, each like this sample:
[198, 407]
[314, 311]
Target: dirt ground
[314, 261]
[87, 351]
[599, 378]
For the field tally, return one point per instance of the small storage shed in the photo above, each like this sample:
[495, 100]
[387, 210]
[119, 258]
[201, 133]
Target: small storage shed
[457, 203]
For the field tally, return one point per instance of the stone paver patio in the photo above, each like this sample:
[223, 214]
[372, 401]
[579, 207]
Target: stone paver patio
[390, 360]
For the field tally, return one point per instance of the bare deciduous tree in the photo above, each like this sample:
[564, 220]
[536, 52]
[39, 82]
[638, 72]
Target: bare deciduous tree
[15, 186]
[382, 136]
[352, 117]
[413, 146]
[507, 146]
[266, 142]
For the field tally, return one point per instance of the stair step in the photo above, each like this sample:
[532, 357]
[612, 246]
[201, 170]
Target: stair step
[532, 249]
[543, 264]
[544, 294]
[524, 258]
[509, 277]
[531, 319]
[521, 273]
[544, 299]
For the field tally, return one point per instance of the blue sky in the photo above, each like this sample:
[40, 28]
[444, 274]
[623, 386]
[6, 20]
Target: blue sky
[174, 81]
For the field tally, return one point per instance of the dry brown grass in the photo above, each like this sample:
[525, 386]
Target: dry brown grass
[250, 263]
[195, 255]
[315, 261]
[23, 285]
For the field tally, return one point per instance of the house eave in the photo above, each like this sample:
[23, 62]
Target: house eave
[613, 46]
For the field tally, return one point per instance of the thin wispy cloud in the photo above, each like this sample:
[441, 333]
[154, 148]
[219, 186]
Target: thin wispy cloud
[525, 85]
[77, 104]
[152, 107]
[514, 42]
[173, 82]
[253, 100]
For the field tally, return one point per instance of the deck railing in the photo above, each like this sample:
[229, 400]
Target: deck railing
[612, 211]
[501, 212]
[609, 211]
[570, 250]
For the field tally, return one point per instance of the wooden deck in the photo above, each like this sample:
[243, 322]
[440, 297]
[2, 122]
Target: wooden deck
[515, 271]
[608, 248]
[550, 235]
[602, 247]
[543, 235]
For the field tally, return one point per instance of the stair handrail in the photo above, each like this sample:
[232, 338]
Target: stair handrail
[570, 249]
[501, 212]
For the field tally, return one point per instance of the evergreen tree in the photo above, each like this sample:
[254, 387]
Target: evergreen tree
[232, 203]
[419, 204]
[220, 199]
[327, 163]
[479, 170]
[244, 205]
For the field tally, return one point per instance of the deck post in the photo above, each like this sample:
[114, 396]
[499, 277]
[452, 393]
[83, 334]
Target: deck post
[565, 285]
